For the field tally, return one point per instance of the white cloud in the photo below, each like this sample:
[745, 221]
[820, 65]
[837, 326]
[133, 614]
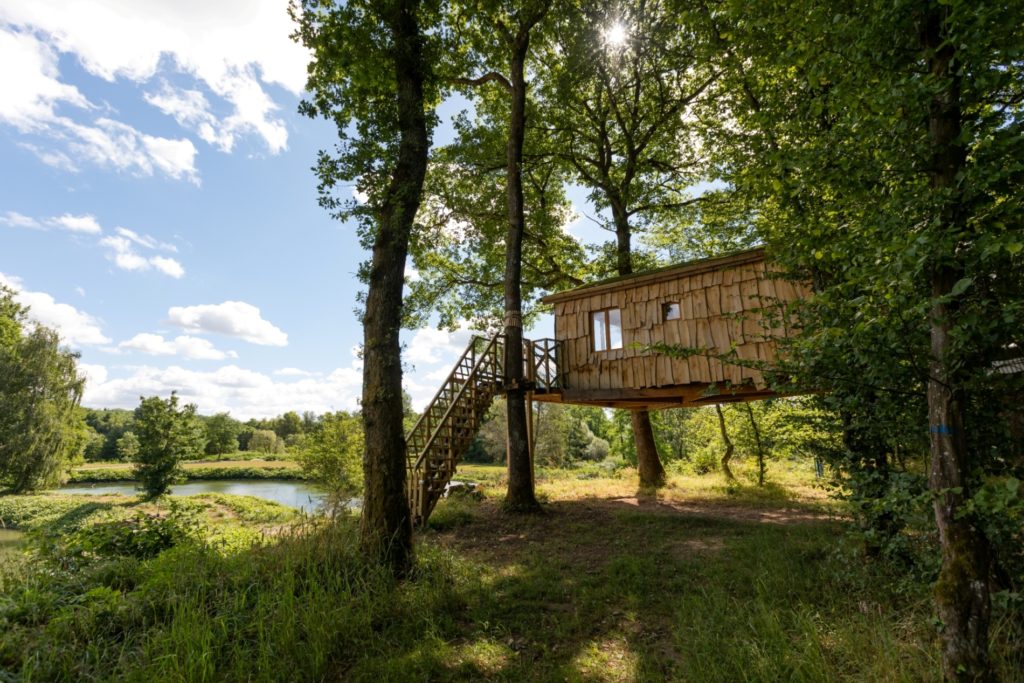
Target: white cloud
[231, 318]
[32, 104]
[429, 345]
[86, 224]
[94, 374]
[18, 220]
[296, 372]
[245, 393]
[80, 291]
[120, 146]
[51, 157]
[168, 266]
[233, 48]
[75, 327]
[126, 258]
[194, 348]
[571, 219]
[30, 82]
[147, 241]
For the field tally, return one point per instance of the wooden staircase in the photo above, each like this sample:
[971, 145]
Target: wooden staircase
[447, 427]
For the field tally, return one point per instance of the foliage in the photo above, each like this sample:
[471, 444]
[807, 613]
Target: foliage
[167, 435]
[140, 536]
[332, 453]
[208, 472]
[128, 447]
[41, 429]
[221, 434]
[109, 424]
[265, 441]
[564, 435]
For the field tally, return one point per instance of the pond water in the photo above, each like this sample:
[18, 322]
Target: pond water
[10, 540]
[296, 494]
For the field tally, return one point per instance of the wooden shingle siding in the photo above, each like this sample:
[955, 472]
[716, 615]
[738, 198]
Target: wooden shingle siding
[720, 303]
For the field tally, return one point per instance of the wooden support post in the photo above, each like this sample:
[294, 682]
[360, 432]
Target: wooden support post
[531, 435]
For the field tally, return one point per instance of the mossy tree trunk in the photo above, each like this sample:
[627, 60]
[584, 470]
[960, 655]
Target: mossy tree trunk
[386, 530]
[962, 591]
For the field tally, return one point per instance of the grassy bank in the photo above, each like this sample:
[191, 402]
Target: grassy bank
[704, 582]
[242, 469]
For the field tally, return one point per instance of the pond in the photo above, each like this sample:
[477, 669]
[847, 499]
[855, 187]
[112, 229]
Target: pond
[296, 494]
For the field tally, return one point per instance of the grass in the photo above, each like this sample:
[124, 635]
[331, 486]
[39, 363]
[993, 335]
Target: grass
[701, 582]
[197, 470]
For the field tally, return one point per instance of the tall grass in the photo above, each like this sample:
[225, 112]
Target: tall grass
[584, 593]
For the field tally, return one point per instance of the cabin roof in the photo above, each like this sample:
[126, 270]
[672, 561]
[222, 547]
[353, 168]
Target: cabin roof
[659, 275]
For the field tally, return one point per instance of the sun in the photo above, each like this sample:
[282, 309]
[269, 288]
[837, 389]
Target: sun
[616, 35]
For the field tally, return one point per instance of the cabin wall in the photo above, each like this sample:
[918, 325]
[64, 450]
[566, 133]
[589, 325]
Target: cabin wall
[718, 309]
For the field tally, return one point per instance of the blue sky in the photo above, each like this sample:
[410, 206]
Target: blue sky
[157, 207]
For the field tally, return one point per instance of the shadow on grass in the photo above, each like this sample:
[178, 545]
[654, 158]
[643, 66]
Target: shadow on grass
[595, 590]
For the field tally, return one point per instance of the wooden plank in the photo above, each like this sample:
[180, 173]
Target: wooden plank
[700, 304]
[670, 332]
[766, 288]
[665, 377]
[653, 314]
[680, 371]
[749, 298]
[686, 306]
[720, 333]
[732, 301]
[704, 337]
[713, 295]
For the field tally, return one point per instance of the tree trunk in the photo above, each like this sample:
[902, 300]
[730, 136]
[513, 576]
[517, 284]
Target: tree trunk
[757, 442]
[961, 592]
[385, 529]
[729, 448]
[520, 496]
[649, 467]
[652, 474]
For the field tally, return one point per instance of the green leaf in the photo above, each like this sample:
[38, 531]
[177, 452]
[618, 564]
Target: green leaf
[961, 286]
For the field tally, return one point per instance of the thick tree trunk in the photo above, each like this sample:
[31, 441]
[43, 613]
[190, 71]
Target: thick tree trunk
[385, 530]
[961, 592]
[652, 474]
[729, 448]
[520, 495]
[649, 467]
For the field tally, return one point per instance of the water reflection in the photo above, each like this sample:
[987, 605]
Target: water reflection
[296, 494]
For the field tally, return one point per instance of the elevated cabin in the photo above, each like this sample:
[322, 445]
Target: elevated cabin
[717, 304]
[598, 356]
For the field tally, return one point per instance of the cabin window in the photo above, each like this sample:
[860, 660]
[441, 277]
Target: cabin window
[606, 327]
[670, 311]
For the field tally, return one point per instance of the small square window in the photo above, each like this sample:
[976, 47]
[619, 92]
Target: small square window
[606, 328]
[670, 311]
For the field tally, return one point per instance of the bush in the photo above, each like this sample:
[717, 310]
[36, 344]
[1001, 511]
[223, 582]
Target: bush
[705, 460]
[140, 537]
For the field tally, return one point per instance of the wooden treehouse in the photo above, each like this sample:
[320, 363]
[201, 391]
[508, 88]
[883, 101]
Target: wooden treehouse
[601, 355]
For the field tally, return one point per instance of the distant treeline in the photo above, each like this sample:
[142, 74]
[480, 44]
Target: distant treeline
[224, 434]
